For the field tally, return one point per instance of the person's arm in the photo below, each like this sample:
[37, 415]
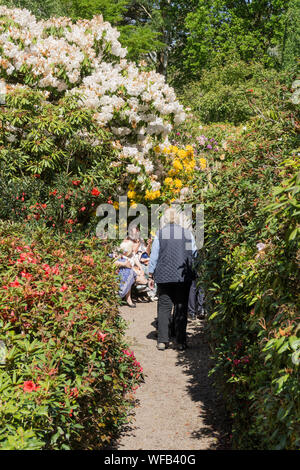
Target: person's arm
[122, 264]
[154, 256]
[194, 247]
[148, 247]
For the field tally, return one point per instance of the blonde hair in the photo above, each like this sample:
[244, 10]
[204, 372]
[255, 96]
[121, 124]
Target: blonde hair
[126, 247]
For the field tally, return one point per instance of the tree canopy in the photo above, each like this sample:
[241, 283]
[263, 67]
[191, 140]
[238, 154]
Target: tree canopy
[182, 38]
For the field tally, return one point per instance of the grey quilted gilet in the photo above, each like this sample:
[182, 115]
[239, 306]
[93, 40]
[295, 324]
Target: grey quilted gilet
[175, 255]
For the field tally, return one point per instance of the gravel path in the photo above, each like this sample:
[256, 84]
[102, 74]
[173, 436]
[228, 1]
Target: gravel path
[176, 408]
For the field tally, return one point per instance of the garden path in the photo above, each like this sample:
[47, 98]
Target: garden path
[176, 408]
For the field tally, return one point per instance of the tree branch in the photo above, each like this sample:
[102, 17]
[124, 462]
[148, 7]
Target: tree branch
[145, 10]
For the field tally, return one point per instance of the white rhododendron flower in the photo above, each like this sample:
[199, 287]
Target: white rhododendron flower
[86, 59]
[133, 169]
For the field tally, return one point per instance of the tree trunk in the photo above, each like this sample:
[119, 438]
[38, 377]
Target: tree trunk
[163, 55]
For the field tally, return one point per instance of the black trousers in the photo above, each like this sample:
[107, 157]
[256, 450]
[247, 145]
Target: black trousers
[172, 295]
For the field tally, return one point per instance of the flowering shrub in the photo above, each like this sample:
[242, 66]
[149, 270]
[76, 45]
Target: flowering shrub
[248, 267]
[66, 371]
[171, 180]
[60, 60]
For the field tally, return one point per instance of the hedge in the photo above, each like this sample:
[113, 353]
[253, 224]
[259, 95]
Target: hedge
[65, 370]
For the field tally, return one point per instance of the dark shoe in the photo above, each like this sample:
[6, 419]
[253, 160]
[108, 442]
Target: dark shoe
[201, 314]
[131, 306]
[181, 347]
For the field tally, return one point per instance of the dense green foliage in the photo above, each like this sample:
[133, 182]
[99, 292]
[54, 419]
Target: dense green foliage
[66, 368]
[250, 267]
[236, 92]
[40, 8]
[291, 38]
[221, 28]
[49, 174]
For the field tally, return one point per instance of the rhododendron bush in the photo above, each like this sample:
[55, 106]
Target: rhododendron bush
[65, 372]
[249, 268]
[74, 104]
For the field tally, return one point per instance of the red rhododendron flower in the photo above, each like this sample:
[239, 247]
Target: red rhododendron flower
[63, 288]
[83, 208]
[76, 182]
[95, 192]
[30, 386]
[14, 284]
[101, 336]
[26, 275]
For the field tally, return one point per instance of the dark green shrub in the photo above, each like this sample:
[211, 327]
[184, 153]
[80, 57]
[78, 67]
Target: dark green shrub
[249, 269]
[235, 92]
[48, 172]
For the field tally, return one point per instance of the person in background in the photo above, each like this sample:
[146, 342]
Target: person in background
[171, 266]
[144, 260]
[134, 235]
[126, 272]
[196, 301]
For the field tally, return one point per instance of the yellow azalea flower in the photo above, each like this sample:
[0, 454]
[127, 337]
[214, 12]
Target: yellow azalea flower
[168, 181]
[131, 186]
[156, 149]
[172, 172]
[182, 154]
[177, 165]
[178, 183]
[133, 204]
[203, 163]
[167, 150]
[116, 205]
[131, 194]
[151, 195]
[189, 149]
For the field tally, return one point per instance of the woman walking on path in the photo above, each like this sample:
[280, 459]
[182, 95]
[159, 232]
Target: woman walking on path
[171, 267]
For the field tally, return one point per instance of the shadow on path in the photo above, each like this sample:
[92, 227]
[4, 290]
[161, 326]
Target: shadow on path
[208, 424]
[196, 364]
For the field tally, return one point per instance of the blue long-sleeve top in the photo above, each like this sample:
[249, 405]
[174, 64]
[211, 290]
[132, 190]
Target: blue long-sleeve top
[155, 252]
